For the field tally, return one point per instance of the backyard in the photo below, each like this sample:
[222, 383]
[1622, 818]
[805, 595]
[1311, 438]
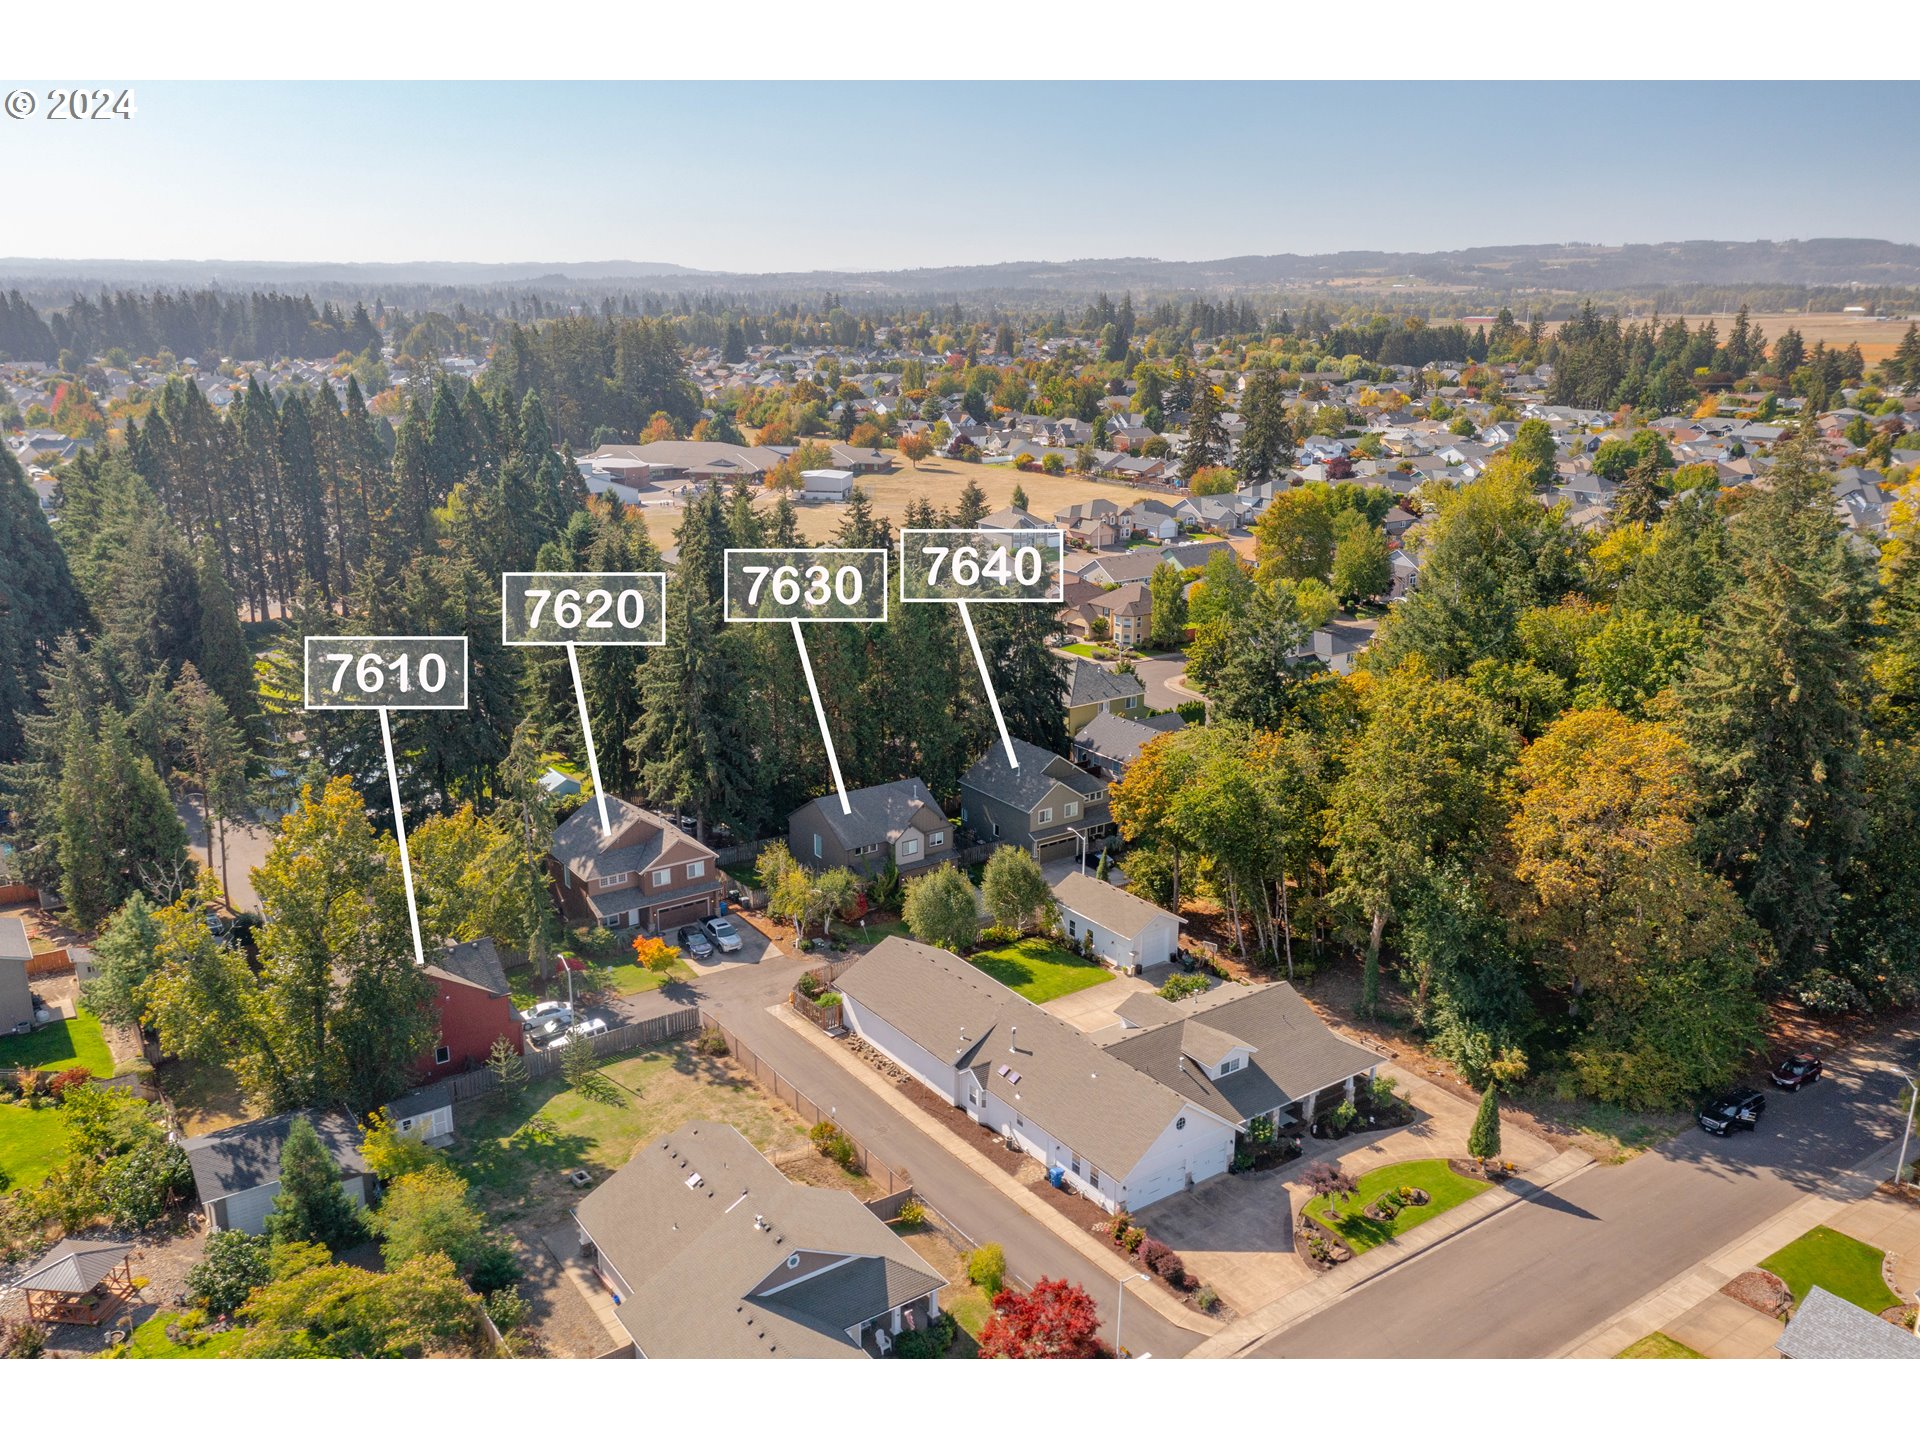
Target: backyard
[1838, 1264]
[1362, 1232]
[32, 1143]
[1040, 970]
[61, 1046]
[517, 1150]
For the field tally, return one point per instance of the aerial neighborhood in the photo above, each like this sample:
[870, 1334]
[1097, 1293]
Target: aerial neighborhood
[1469, 758]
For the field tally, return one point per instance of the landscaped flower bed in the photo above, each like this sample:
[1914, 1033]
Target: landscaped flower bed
[1373, 1209]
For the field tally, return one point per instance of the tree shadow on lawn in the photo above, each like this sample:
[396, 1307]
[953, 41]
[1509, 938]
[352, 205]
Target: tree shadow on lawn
[1009, 972]
[1361, 1232]
[502, 1152]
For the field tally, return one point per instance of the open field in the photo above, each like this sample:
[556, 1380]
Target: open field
[940, 481]
[1876, 338]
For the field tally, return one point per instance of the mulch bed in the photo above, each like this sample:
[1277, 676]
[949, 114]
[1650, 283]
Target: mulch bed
[1310, 1225]
[1473, 1170]
[1760, 1290]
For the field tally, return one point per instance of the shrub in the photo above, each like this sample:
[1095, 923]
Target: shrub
[712, 1042]
[1132, 1238]
[1163, 1260]
[1260, 1130]
[809, 986]
[1207, 1300]
[67, 1079]
[1240, 1163]
[232, 1264]
[22, 1340]
[987, 1268]
[929, 1344]
[1179, 987]
[823, 1135]
[507, 1309]
[912, 1213]
[1343, 1117]
[999, 935]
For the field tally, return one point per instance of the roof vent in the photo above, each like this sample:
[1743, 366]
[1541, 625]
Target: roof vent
[1014, 1077]
[694, 1181]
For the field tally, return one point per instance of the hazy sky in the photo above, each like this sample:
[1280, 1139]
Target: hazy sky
[804, 176]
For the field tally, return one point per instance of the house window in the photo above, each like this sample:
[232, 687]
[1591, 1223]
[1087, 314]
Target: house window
[1073, 808]
[696, 869]
[1076, 1164]
[1132, 701]
[910, 845]
[1044, 817]
[442, 1055]
[1073, 930]
[936, 839]
[1227, 1067]
[610, 922]
[816, 845]
[662, 878]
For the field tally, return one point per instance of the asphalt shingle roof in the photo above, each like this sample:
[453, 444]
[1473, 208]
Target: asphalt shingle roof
[1089, 684]
[1107, 906]
[1825, 1327]
[880, 812]
[1039, 771]
[245, 1157]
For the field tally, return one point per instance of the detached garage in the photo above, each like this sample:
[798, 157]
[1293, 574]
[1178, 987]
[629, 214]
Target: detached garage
[237, 1171]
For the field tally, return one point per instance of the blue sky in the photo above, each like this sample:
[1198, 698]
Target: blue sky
[798, 176]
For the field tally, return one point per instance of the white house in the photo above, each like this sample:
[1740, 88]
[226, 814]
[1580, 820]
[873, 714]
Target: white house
[426, 1114]
[1114, 1134]
[1122, 929]
[827, 484]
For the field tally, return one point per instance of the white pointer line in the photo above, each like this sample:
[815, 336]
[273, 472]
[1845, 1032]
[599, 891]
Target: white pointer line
[586, 729]
[966, 619]
[826, 736]
[400, 828]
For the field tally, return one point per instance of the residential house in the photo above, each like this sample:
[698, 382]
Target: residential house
[1093, 688]
[1120, 928]
[1247, 1051]
[1013, 518]
[900, 820]
[16, 994]
[712, 1254]
[1108, 1131]
[644, 874]
[237, 1170]
[861, 459]
[1109, 743]
[1128, 611]
[1155, 519]
[1125, 568]
[1825, 1327]
[693, 459]
[475, 1006]
[1076, 594]
[559, 784]
[1046, 805]
[1339, 643]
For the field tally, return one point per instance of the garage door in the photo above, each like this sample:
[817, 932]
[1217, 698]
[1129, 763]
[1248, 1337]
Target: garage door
[684, 913]
[1058, 848]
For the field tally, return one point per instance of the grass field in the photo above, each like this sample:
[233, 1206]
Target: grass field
[1445, 1188]
[149, 1342]
[1040, 971]
[1838, 1264]
[940, 481]
[62, 1046]
[632, 978]
[1876, 338]
[512, 1168]
[206, 1097]
[1659, 1346]
[32, 1143]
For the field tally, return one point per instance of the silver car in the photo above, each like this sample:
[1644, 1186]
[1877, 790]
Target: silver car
[721, 930]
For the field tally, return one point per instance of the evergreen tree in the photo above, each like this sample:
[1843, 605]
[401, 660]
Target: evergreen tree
[1029, 676]
[1206, 444]
[1483, 1140]
[1167, 624]
[222, 656]
[1266, 446]
[311, 1208]
[38, 603]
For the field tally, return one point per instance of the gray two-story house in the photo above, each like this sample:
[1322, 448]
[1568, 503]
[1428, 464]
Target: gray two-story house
[643, 873]
[1047, 805]
[900, 819]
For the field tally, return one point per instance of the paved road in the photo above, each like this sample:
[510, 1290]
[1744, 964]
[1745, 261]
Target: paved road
[247, 847]
[1536, 1278]
[739, 994]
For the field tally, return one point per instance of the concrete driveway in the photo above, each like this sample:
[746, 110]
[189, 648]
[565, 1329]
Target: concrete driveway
[1093, 1008]
[1236, 1233]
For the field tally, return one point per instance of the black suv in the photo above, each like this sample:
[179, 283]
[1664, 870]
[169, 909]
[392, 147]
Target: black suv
[1799, 1070]
[1739, 1111]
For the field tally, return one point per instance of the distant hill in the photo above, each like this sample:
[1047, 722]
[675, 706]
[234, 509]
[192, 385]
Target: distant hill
[1488, 268]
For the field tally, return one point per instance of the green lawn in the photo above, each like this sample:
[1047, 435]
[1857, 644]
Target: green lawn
[632, 978]
[149, 1342]
[1838, 1264]
[1040, 970]
[874, 931]
[61, 1046]
[1082, 649]
[1433, 1176]
[664, 1087]
[32, 1143]
[1659, 1346]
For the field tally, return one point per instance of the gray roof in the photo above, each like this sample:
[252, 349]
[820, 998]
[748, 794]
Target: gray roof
[245, 1157]
[477, 962]
[1054, 1075]
[1107, 906]
[1116, 737]
[1089, 684]
[638, 838]
[74, 1267]
[1825, 1327]
[1295, 1054]
[1145, 1007]
[880, 812]
[1039, 771]
[700, 1226]
[426, 1099]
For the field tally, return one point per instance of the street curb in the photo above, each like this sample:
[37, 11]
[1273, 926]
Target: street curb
[1089, 1248]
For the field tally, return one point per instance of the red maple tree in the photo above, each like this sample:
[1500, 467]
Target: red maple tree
[1054, 1321]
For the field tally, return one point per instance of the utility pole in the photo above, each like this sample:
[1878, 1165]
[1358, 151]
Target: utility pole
[1120, 1311]
[1907, 1134]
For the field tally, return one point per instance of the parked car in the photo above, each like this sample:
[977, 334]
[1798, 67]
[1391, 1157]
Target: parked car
[694, 941]
[721, 930]
[595, 1026]
[550, 1030]
[1796, 1071]
[1738, 1111]
[545, 1011]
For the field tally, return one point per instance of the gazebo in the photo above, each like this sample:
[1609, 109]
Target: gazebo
[81, 1282]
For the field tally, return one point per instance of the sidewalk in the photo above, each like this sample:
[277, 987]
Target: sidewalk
[1693, 1302]
[1104, 1256]
[1295, 1306]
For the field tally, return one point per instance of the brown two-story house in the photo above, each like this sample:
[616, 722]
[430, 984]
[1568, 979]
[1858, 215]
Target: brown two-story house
[644, 874]
[1047, 805]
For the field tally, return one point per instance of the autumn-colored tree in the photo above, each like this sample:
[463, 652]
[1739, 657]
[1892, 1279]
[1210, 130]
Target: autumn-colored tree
[653, 953]
[916, 447]
[867, 436]
[659, 427]
[1053, 1321]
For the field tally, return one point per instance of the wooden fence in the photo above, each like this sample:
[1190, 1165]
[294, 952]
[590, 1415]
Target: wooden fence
[542, 1063]
[792, 1096]
[16, 894]
[43, 963]
[827, 1017]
